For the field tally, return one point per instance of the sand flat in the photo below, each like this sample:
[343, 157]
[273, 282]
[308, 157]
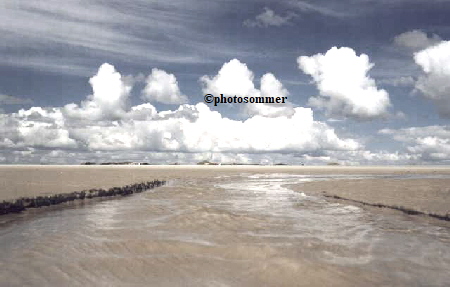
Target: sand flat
[430, 195]
[216, 222]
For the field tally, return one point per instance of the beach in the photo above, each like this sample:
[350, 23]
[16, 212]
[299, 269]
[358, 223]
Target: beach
[228, 226]
[428, 195]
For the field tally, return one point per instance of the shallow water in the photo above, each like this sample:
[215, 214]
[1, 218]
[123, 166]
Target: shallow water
[247, 230]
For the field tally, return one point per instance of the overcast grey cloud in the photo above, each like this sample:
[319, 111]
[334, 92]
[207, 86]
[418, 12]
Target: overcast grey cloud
[366, 81]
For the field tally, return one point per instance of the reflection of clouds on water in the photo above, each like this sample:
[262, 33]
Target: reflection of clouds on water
[343, 234]
[331, 224]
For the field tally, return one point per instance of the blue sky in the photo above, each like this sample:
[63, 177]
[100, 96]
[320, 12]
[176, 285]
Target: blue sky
[367, 81]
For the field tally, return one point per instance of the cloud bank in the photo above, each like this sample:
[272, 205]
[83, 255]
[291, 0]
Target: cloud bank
[429, 143]
[105, 123]
[106, 127]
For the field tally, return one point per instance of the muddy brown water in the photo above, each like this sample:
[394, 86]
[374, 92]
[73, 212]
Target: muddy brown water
[236, 229]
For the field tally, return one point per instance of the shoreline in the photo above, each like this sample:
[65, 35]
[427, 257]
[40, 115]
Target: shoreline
[23, 203]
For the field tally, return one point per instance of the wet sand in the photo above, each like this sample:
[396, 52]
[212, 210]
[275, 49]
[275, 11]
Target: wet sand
[216, 226]
[425, 195]
[34, 180]
[429, 196]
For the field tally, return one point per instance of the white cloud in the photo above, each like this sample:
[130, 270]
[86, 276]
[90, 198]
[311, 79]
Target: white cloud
[104, 124]
[142, 112]
[345, 88]
[163, 87]
[268, 18]
[35, 127]
[430, 143]
[190, 128]
[110, 92]
[109, 98]
[235, 78]
[192, 133]
[435, 84]
[195, 128]
[416, 40]
[271, 87]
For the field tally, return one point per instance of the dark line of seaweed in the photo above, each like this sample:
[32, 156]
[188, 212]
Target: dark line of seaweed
[20, 204]
[400, 208]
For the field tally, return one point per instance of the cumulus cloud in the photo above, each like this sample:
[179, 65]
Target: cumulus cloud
[109, 99]
[435, 84]
[35, 127]
[345, 88]
[195, 128]
[163, 87]
[190, 129]
[429, 143]
[268, 18]
[235, 78]
[110, 92]
[270, 86]
[142, 112]
[416, 40]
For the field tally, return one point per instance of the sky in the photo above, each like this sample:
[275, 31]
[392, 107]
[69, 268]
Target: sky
[367, 81]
